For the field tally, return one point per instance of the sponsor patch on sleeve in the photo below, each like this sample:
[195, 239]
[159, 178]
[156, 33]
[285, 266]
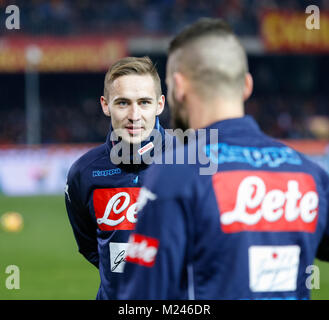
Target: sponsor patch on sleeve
[142, 250]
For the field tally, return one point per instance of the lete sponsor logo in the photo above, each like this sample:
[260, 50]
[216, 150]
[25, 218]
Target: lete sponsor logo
[142, 250]
[266, 201]
[116, 208]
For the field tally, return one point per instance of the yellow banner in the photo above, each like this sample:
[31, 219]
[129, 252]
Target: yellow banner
[284, 31]
[49, 54]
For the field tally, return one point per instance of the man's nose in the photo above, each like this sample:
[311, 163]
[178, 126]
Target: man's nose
[134, 112]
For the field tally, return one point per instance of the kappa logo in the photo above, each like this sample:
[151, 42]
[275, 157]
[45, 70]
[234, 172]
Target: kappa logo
[142, 250]
[116, 208]
[105, 173]
[66, 190]
[266, 201]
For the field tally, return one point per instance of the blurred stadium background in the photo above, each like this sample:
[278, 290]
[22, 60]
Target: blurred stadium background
[51, 77]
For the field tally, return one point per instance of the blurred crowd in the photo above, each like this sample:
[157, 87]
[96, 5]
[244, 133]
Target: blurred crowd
[143, 16]
[84, 122]
[291, 117]
[291, 93]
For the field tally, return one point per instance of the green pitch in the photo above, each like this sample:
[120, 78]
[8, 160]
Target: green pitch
[46, 254]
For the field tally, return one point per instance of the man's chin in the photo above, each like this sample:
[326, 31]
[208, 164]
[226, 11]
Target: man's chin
[133, 139]
[130, 138]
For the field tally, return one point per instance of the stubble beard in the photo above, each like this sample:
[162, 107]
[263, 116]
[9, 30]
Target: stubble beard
[178, 121]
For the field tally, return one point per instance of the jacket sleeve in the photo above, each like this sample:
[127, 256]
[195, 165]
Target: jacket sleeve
[161, 230]
[83, 226]
[323, 248]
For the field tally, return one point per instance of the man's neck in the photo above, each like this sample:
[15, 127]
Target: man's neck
[203, 114]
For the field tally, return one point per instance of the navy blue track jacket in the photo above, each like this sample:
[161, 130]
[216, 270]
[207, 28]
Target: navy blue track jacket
[101, 201]
[251, 230]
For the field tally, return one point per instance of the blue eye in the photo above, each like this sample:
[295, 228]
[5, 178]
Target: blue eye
[122, 103]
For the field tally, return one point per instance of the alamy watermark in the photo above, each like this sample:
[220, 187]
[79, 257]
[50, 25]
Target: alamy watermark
[13, 278]
[200, 147]
[13, 18]
[313, 280]
[313, 20]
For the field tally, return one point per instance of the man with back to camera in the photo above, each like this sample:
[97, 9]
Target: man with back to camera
[103, 185]
[247, 231]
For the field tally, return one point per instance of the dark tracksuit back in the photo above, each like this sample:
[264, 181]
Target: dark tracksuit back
[248, 231]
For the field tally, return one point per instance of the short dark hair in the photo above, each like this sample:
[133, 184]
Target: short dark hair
[203, 26]
[212, 57]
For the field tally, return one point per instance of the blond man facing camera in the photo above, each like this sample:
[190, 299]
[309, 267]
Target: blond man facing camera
[103, 185]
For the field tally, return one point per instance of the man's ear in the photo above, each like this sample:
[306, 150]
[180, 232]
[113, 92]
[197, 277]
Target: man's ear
[161, 104]
[180, 85]
[105, 106]
[248, 86]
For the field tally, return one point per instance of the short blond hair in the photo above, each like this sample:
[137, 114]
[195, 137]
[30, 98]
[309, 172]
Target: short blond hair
[132, 65]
